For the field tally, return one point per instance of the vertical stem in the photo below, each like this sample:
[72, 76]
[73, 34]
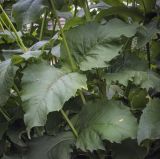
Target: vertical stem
[72, 63]
[76, 6]
[127, 2]
[10, 31]
[148, 55]
[17, 90]
[54, 22]
[14, 30]
[86, 10]
[145, 10]
[5, 115]
[69, 122]
[82, 97]
[42, 26]
[1, 26]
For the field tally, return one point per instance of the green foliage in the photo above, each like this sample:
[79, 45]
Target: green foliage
[85, 86]
[149, 122]
[7, 72]
[128, 149]
[46, 91]
[94, 45]
[26, 12]
[104, 120]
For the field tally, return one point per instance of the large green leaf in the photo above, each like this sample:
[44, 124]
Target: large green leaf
[149, 126]
[103, 120]
[7, 74]
[27, 11]
[128, 149]
[46, 89]
[93, 44]
[48, 147]
[58, 147]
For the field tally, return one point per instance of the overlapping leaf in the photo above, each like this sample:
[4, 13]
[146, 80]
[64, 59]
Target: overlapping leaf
[149, 126]
[146, 79]
[48, 147]
[8, 36]
[27, 11]
[128, 149]
[104, 120]
[121, 11]
[46, 89]
[7, 73]
[93, 45]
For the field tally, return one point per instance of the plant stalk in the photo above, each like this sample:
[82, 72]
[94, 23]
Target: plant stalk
[76, 7]
[71, 60]
[14, 30]
[1, 26]
[86, 10]
[148, 55]
[145, 10]
[5, 115]
[82, 97]
[3, 23]
[69, 123]
[17, 90]
[42, 26]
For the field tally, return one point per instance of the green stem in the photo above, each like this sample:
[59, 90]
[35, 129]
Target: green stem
[17, 90]
[145, 10]
[42, 26]
[69, 123]
[86, 10]
[76, 7]
[148, 55]
[82, 97]
[14, 29]
[127, 2]
[10, 31]
[12, 51]
[5, 115]
[72, 63]
[54, 22]
[1, 26]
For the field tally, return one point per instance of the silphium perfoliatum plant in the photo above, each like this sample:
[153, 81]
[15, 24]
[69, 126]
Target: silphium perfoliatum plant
[79, 79]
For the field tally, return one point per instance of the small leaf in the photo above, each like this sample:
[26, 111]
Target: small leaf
[149, 126]
[121, 11]
[138, 98]
[9, 37]
[46, 89]
[146, 33]
[104, 120]
[71, 23]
